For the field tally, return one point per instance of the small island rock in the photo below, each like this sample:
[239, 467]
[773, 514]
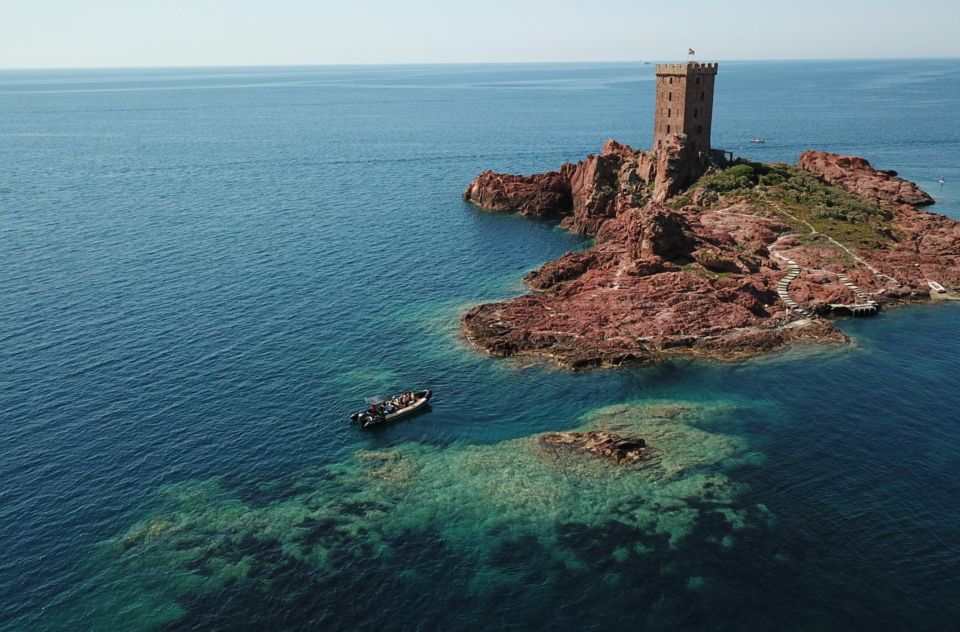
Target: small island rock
[598, 443]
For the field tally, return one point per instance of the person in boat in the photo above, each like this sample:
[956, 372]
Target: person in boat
[390, 407]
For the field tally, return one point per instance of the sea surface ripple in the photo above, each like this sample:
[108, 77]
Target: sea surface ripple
[203, 271]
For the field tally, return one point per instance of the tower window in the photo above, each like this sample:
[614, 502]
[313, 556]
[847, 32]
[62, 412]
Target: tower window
[668, 129]
[694, 112]
[703, 95]
[671, 80]
[669, 96]
[699, 129]
[698, 81]
[669, 113]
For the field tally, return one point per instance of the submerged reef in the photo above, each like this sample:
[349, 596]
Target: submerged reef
[475, 502]
[599, 443]
[743, 259]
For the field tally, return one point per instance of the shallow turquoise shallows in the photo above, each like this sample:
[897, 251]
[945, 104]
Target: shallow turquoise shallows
[202, 272]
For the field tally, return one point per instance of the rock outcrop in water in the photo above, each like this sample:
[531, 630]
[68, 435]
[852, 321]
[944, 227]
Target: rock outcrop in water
[691, 260]
[598, 443]
[593, 190]
[544, 195]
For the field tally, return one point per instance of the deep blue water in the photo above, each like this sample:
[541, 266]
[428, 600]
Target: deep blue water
[203, 271]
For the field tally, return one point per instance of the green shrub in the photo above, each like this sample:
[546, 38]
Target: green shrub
[741, 176]
[742, 171]
[772, 179]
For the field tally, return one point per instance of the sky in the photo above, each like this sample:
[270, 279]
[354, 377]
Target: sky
[131, 33]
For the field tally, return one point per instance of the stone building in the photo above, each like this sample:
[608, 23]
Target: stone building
[684, 104]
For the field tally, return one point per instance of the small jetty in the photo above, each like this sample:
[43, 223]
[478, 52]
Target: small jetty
[865, 305]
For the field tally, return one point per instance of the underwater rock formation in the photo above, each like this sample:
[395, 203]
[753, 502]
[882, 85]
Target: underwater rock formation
[597, 443]
[698, 271]
[572, 513]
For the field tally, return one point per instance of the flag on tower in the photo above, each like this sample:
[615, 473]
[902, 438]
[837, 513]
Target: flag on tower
[690, 51]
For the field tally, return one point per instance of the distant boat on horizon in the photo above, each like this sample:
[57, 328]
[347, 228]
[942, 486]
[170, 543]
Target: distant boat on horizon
[758, 140]
[942, 180]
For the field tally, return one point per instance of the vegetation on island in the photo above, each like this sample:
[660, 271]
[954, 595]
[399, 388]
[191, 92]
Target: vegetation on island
[800, 199]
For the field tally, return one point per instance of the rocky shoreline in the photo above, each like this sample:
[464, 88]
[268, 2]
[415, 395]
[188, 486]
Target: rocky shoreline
[690, 255]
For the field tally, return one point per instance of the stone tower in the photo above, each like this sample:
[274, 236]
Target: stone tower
[684, 104]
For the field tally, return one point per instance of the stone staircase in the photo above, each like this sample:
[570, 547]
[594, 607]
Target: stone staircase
[783, 287]
[865, 305]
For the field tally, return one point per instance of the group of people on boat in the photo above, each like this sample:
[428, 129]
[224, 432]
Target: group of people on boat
[391, 408]
[393, 404]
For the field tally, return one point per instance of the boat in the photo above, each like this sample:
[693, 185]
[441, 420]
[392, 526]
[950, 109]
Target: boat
[387, 409]
[758, 140]
[942, 180]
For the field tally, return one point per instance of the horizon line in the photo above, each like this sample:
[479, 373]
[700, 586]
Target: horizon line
[464, 63]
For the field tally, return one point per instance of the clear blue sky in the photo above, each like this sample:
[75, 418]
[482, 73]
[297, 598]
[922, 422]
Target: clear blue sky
[95, 33]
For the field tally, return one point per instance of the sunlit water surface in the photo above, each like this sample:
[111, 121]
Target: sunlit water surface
[203, 271]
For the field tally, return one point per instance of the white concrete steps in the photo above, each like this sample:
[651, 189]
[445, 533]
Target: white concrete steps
[862, 297]
[865, 305]
[783, 287]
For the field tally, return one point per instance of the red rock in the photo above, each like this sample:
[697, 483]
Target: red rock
[566, 268]
[699, 280]
[857, 176]
[544, 195]
[925, 246]
[675, 168]
[594, 184]
[656, 231]
[594, 190]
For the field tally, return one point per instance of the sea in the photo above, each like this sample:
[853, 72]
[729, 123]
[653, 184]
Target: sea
[204, 271]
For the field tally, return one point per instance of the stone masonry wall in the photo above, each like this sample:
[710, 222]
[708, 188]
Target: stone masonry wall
[684, 104]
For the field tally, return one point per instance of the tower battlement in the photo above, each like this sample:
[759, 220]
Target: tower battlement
[683, 70]
[684, 104]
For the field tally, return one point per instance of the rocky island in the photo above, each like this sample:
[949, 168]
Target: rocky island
[697, 253]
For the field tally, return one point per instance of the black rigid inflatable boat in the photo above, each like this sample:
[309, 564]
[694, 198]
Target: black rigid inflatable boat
[387, 409]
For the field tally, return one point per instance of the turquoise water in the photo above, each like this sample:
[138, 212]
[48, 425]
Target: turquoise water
[203, 271]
